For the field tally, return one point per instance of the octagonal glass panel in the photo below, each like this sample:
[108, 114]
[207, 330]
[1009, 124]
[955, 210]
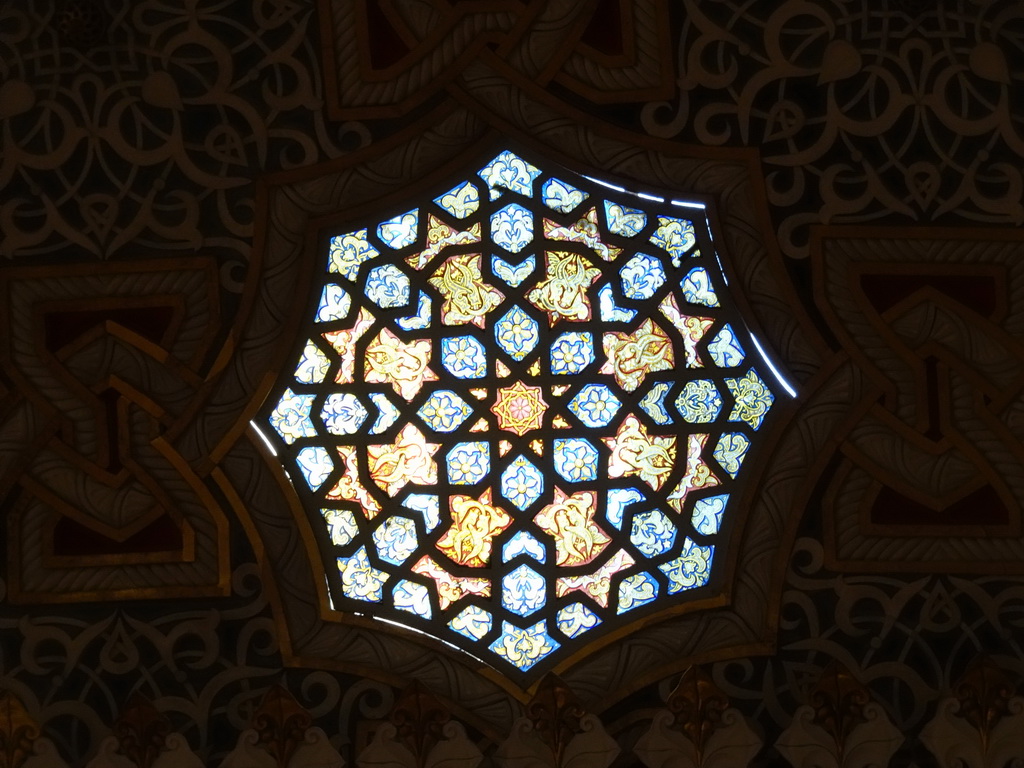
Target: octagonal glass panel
[521, 408]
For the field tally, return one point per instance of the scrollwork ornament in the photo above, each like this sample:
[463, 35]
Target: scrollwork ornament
[697, 704]
[555, 713]
[818, 88]
[698, 729]
[556, 732]
[281, 723]
[842, 728]
[81, 24]
[453, 749]
[141, 731]
[871, 742]
[167, 154]
[839, 700]
[984, 693]
[982, 724]
[18, 731]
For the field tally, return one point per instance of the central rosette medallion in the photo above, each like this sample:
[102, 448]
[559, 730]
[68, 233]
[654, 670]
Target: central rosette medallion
[519, 408]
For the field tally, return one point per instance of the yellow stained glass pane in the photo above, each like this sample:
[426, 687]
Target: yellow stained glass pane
[407, 460]
[475, 523]
[632, 356]
[404, 365]
[634, 452]
[562, 294]
[569, 520]
[467, 298]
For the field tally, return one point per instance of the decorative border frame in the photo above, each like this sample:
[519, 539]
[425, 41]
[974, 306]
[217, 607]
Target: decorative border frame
[293, 209]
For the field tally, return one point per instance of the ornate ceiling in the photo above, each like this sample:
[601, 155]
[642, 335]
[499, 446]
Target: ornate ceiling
[169, 172]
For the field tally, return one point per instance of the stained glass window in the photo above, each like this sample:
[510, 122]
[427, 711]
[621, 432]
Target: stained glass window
[522, 411]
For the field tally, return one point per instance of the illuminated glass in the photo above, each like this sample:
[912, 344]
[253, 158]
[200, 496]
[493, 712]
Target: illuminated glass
[519, 411]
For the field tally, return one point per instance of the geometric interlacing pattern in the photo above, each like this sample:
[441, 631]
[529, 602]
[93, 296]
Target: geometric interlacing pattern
[521, 411]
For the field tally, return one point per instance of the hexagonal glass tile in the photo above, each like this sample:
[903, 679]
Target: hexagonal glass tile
[653, 533]
[512, 228]
[343, 414]
[575, 459]
[517, 333]
[522, 483]
[572, 352]
[387, 286]
[522, 591]
[595, 405]
[395, 539]
[468, 463]
[444, 411]
[464, 357]
[699, 402]
[642, 276]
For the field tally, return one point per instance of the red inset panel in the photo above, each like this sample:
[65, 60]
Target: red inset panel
[982, 507]
[72, 539]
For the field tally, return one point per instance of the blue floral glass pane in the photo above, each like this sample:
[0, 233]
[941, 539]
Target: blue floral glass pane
[595, 405]
[387, 286]
[360, 580]
[444, 411]
[315, 465]
[725, 349]
[575, 619]
[513, 275]
[348, 252]
[290, 418]
[653, 533]
[610, 311]
[422, 317]
[523, 647]
[707, 514]
[464, 357]
[460, 201]
[387, 414]
[473, 623]
[623, 220]
[468, 463]
[676, 236]
[575, 459]
[428, 506]
[523, 544]
[751, 399]
[517, 333]
[334, 303]
[642, 276]
[572, 352]
[699, 402]
[395, 539]
[636, 590]
[618, 500]
[697, 288]
[731, 450]
[522, 483]
[512, 228]
[522, 591]
[341, 524]
[401, 230]
[313, 366]
[691, 569]
[343, 414]
[510, 171]
[654, 403]
[412, 597]
[561, 196]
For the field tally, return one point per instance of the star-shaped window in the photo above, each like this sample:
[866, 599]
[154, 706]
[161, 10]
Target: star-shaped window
[522, 411]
